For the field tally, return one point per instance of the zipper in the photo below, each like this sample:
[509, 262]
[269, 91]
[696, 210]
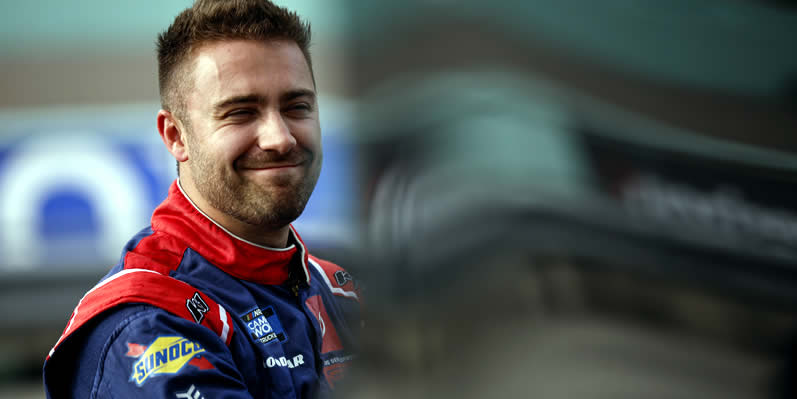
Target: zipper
[294, 282]
[295, 289]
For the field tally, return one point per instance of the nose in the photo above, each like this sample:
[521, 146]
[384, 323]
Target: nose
[274, 134]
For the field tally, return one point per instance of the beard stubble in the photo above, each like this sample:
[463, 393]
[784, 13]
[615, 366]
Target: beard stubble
[273, 206]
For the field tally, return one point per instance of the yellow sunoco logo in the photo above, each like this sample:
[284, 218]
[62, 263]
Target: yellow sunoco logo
[167, 355]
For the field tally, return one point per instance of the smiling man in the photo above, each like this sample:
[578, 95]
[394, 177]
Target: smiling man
[252, 144]
[219, 296]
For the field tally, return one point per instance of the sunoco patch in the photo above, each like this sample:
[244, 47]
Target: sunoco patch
[264, 326]
[165, 355]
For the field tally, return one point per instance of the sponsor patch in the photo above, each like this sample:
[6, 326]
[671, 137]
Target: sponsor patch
[197, 306]
[330, 341]
[346, 281]
[264, 326]
[334, 373]
[165, 355]
[191, 393]
[335, 368]
[342, 277]
[283, 361]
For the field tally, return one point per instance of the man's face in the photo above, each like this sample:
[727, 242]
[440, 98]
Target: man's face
[253, 137]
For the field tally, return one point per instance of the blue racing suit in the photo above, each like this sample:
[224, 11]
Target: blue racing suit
[192, 311]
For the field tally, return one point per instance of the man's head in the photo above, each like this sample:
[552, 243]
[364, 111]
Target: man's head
[240, 112]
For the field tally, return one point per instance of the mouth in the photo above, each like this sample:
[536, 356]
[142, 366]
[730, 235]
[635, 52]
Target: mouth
[273, 165]
[274, 170]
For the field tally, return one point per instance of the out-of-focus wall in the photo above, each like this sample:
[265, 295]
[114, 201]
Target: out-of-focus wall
[579, 198]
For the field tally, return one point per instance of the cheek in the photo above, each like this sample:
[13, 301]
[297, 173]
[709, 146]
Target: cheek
[308, 136]
[229, 147]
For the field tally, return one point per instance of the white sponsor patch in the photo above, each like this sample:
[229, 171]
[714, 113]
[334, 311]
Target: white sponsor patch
[191, 393]
[282, 361]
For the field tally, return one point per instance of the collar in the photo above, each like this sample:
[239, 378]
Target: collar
[179, 217]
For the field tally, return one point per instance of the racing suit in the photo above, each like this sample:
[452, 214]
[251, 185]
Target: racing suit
[192, 311]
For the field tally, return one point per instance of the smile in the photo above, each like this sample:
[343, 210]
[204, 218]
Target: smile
[274, 170]
[274, 166]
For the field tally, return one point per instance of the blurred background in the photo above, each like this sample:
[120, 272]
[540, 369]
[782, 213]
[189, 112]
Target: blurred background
[541, 199]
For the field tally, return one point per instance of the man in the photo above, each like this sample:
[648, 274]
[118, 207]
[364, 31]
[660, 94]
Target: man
[219, 296]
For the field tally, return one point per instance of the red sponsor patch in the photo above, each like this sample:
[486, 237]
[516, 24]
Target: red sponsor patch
[135, 350]
[330, 341]
[201, 363]
[334, 373]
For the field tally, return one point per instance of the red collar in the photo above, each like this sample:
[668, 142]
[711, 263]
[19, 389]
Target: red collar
[178, 217]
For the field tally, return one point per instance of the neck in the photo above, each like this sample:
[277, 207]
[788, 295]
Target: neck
[270, 238]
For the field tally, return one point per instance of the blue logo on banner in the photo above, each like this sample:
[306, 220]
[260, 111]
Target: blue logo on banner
[74, 199]
[264, 326]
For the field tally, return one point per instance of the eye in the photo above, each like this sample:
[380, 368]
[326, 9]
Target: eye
[240, 114]
[300, 109]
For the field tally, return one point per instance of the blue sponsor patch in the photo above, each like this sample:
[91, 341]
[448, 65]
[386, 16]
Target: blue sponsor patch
[264, 326]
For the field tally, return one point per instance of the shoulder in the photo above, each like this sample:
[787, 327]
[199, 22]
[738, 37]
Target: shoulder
[337, 279]
[162, 291]
[138, 306]
[135, 350]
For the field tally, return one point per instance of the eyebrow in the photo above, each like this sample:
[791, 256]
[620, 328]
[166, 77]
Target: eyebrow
[236, 100]
[258, 99]
[294, 94]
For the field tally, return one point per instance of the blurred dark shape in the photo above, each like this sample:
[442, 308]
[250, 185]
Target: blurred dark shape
[790, 93]
[788, 5]
[549, 221]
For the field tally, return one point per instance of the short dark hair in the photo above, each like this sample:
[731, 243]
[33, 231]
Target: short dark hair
[218, 20]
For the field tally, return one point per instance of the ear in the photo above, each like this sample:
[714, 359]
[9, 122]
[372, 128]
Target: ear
[171, 131]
